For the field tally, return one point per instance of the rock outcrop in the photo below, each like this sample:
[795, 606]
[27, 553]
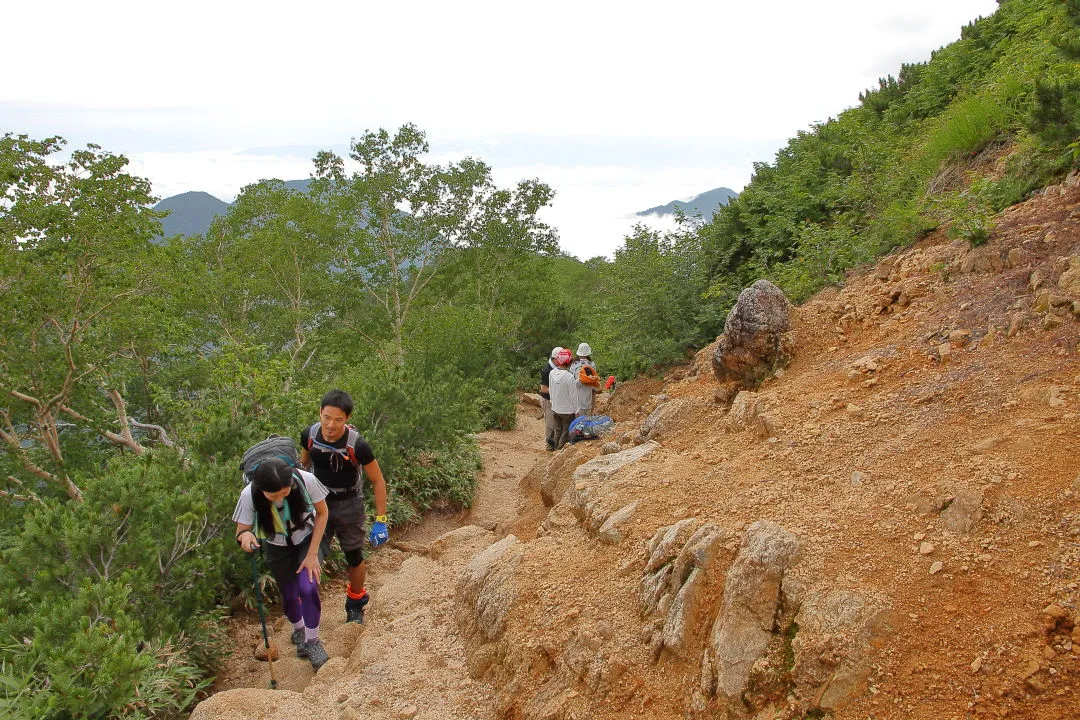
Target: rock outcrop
[485, 594]
[678, 566]
[744, 630]
[835, 634]
[757, 338]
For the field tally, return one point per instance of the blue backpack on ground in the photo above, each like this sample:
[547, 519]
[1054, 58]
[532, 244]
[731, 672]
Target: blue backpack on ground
[590, 427]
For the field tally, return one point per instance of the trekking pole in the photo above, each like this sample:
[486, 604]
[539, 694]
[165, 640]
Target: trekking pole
[262, 619]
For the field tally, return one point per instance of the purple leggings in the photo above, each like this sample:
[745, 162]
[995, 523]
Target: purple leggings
[300, 598]
[299, 595]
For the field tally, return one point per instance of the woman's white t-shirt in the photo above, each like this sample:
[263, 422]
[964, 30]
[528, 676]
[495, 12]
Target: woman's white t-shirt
[245, 509]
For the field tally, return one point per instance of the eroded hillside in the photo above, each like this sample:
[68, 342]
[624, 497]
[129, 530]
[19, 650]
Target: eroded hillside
[890, 528]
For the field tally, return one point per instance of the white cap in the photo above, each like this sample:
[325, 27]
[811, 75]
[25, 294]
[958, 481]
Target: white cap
[583, 350]
[555, 351]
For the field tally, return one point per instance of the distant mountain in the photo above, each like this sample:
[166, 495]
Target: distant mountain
[705, 203]
[191, 213]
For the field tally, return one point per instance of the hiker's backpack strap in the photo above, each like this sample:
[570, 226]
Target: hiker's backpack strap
[298, 480]
[350, 445]
[311, 433]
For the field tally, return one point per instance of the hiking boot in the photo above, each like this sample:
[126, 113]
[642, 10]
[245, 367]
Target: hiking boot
[298, 639]
[354, 609]
[316, 653]
[354, 614]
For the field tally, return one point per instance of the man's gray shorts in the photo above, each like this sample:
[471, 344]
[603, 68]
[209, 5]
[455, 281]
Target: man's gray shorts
[346, 522]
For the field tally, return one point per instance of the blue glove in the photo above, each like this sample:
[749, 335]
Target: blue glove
[379, 533]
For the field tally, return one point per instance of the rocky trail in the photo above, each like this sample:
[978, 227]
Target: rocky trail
[408, 659]
[871, 510]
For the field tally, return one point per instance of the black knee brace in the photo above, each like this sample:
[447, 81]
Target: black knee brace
[354, 557]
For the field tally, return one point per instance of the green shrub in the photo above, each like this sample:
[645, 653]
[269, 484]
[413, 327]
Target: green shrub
[968, 212]
[106, 604]
[967, 127]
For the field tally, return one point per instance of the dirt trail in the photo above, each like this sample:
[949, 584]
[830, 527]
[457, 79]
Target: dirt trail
[408, 660]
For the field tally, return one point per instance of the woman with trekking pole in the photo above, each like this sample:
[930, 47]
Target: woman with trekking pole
[282, 513]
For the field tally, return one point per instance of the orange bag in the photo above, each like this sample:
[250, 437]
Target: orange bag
[587, 376]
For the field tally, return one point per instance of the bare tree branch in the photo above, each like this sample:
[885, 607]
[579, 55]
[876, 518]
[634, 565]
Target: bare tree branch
[106, 561]
[162, 436]
[25, 495]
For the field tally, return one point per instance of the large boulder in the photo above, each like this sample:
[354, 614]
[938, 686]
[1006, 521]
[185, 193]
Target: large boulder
[757, 338]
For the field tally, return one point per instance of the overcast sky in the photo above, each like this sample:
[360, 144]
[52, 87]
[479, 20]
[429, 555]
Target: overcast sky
[618, 106]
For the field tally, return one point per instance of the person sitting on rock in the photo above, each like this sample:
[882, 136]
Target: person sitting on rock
[283, 511]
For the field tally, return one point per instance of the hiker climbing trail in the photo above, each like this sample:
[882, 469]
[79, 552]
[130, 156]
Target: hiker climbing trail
[408, 658]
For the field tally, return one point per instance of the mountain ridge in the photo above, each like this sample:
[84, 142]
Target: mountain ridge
[190, 213]
[706, 203]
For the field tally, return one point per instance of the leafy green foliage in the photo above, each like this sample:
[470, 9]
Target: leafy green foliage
[641, 314]
[968, 212]
[135, 374]
[109, 607]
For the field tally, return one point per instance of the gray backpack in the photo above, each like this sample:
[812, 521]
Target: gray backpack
[274, 446]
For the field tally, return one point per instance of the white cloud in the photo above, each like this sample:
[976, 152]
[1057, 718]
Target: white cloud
[185, 89]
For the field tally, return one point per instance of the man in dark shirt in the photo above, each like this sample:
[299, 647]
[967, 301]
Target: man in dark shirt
[545, 401]
[335, 453]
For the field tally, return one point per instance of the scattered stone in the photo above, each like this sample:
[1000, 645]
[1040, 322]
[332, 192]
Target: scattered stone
[936, 567]
[985, 446]
[1016, 324]
[926, 548]
[884, 268]
[944, 352]
[1069, 281]
[919, 537]
[1035, 281]
[724, 394]
[959, 338]
[261, 654]
[765, 427]
[611, 531]
[744, 411]
[1035, 544]
[964, 511]
[976, 666]
[408, 712]
[610, 447]
[533, 399]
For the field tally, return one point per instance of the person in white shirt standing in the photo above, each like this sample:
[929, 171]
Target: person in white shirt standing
[563, 390]
[545, 399]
